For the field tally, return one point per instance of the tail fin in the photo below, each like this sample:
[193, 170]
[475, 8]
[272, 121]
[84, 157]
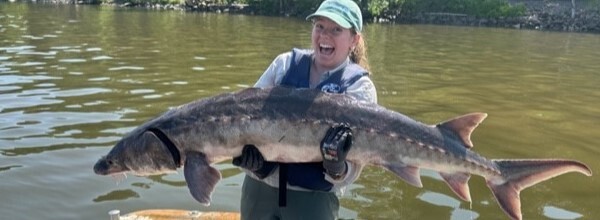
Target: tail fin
[520, 174]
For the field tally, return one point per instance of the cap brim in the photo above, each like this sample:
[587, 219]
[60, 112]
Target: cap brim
[333, 16]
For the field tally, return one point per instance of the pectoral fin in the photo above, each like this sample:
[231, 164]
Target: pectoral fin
[201, 178]
[410, 174]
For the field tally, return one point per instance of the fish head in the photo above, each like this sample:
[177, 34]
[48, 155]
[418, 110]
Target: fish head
[141, 153]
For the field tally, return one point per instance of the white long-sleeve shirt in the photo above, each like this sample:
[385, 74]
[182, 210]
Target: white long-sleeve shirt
[363, 89]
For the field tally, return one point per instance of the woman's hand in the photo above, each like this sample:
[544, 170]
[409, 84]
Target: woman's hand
[334, 148]
[251, 159]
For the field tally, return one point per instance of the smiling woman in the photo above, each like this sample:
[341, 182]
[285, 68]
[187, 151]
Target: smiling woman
[337, 63]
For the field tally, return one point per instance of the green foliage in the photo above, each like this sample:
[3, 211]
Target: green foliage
[268, 7]
[226, 2]
[287, 7]
[593, 3]
[141, 2]
[379, 8]
[375, 8]
[390, 8]
[479, 8]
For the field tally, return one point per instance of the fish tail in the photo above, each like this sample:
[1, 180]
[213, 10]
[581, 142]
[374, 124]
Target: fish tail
[517, 175]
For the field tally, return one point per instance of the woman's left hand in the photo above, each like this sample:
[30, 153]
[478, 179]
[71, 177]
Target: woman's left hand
[334, 148]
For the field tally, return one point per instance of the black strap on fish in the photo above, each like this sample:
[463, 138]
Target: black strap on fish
[168, 143]
[283, 174]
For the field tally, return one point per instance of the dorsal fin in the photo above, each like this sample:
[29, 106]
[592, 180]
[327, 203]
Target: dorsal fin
[463, 126]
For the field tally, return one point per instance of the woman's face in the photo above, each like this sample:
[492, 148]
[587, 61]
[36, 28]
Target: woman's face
[331, 42]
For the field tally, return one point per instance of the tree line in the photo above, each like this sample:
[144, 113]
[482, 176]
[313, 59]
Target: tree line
[392, 8]
[373, 9]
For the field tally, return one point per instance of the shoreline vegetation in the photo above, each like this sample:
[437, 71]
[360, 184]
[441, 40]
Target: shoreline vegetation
[546, 15]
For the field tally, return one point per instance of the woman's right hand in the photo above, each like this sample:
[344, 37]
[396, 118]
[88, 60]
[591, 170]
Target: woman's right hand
[251, 159]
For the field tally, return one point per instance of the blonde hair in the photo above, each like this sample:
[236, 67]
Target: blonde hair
[358, 54]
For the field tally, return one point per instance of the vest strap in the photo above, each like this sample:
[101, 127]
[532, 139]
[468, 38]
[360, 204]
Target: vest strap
[283, 174]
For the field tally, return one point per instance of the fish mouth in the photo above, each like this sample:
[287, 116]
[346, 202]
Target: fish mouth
[104, 167]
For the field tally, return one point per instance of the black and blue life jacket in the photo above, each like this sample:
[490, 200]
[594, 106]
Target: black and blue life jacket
[311, 175]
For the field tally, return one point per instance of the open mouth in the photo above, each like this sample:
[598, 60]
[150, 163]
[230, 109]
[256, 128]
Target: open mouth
[326, 49]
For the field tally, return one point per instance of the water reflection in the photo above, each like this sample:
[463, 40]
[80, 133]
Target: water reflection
[447, 201]
[117, 195]
[558, 213]
[5, 168]
[163, 179]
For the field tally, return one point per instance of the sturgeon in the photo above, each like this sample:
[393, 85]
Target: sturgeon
[287, 126]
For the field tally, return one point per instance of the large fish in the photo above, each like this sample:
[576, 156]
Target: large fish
[287, 125]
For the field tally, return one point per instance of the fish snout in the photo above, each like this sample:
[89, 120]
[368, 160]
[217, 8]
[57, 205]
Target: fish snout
[101, 167]
[106, 166]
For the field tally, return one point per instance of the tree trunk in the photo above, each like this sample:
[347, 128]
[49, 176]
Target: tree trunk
[572, 8]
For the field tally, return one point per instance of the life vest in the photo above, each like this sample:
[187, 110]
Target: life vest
[298, 74]
[311, 175]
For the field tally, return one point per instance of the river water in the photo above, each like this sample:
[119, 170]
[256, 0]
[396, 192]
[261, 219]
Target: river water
[74, 79]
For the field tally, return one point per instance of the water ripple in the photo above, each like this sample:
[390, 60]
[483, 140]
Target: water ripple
[102, 58]
[17, 49]
[141, 91]
[32, 37]
[126, 68]
[13, 101]
[24, 64]
[35, 145]
[67, 48]
[9, 88]
[18, 79]
[98, 79]
[80, 92]
[74, 60]
[17, 125]
[93, 49]
[29, 52]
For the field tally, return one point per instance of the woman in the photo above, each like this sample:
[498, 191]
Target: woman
[337, 64]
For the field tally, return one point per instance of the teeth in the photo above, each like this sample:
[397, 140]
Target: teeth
[325, 46]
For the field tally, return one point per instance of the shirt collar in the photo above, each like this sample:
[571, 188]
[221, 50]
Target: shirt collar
[341, 66]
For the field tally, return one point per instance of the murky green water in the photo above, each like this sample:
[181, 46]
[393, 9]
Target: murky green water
[74, 79]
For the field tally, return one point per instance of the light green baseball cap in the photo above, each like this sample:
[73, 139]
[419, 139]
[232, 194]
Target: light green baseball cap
[345, 13]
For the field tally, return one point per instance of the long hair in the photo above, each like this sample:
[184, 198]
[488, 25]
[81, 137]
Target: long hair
[358, 54]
